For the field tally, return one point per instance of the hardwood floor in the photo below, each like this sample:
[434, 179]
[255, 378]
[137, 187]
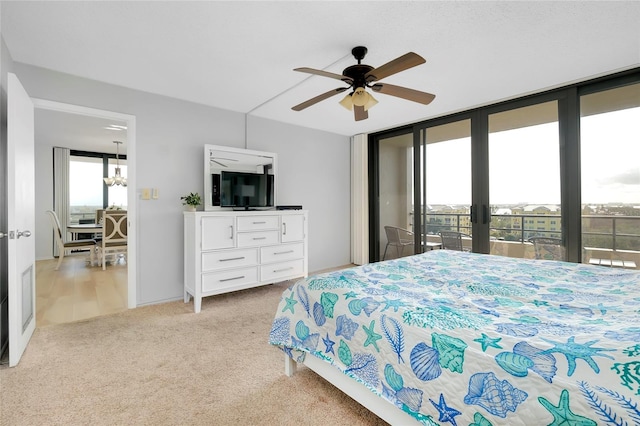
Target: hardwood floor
[78, 291]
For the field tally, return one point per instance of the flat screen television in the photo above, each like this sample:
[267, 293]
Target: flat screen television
[243, 190]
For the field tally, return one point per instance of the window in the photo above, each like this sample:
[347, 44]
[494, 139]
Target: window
[87, 191]
[609, 148]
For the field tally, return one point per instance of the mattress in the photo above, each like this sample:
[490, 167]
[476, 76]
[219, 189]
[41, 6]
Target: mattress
[471, 339]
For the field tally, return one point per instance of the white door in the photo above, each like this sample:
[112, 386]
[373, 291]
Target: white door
[20, 218]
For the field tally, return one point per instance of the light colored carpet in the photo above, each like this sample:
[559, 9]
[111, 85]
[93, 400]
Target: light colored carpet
[165, 365]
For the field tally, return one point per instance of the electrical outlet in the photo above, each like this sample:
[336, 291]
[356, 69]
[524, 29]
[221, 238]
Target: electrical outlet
[154, 193]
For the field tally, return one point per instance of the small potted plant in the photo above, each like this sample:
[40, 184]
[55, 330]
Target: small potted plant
[191, 201]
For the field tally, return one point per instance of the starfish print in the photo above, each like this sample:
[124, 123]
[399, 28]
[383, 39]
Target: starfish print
[372, 336]
[395, 304]
[328, 343]
[290, 303]
[487, 341]
[562, 414]
[350, 294]
[447, 414]
[573, 351]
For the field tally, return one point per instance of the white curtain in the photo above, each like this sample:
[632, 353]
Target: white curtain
[359, 201]
[61, 157]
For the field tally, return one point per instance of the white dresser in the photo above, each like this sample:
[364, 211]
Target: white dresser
[228, 251]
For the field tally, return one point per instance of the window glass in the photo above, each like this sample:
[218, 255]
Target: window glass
[85, 188]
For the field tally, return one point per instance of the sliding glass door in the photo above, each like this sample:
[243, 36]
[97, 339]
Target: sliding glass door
[445, 182]
[524, 183]
[610, 159]
[394, 196]
[551, 176]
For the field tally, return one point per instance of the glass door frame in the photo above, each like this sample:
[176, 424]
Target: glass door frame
[568, 101]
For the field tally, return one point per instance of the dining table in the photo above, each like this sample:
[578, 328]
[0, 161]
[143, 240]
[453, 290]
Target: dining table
[84, 228]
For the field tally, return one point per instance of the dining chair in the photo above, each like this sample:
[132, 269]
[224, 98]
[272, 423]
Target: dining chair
[114, 234]
[63, 246]
[398, 238]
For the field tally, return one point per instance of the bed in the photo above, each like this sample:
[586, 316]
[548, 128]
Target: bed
[460, 338]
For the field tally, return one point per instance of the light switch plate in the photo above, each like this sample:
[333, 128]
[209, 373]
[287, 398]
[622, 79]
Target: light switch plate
[146, 194]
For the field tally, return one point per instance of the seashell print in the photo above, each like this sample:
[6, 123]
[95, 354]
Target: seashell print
[516, 330]
[496, 396]
[328, 301]
[355, 306]
[544, 364]
[346, 327]
[369, 305]
[450, 350]
[311, 342]
[410, 397]
[318, 314]
[480, 420]
[302, 331]
[344, 353]
[514, 364]
[393, 379]
[424, 362]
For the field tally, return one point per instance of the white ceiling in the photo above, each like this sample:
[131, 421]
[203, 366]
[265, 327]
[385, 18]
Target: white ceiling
[240, 55]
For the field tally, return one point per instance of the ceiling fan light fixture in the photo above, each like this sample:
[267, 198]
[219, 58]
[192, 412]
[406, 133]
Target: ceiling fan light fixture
[347, 102]
[360, 96]
[371, 102]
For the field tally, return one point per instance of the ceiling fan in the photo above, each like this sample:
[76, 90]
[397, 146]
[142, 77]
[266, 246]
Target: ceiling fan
[361, 76]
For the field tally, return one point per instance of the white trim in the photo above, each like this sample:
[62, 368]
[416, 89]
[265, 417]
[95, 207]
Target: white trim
[132, 207]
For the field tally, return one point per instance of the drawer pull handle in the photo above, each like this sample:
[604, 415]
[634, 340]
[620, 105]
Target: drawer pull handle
[284, 228]
[232, 258]
[259, 223]
[281, 270]
[231, 279]
[231, 233]
[284, 252]
[260, 238]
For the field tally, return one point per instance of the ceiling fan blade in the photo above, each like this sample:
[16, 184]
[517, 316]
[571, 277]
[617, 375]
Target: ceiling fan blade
[360, 113]
[318, 98]
[404, 93]
[325, 74]
[404, 62]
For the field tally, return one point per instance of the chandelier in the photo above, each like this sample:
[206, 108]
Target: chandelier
[117, 179]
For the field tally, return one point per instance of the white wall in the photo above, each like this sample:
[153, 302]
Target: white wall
[170, 140]
[314, 170]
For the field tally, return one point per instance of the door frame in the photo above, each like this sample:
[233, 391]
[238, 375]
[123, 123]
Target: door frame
[132, 208]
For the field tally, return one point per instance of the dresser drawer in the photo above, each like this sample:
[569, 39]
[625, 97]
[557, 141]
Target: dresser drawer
[281, 253]
[258, 223]
[220, 281]
[212, 261]
[282, 271]
[258, 238]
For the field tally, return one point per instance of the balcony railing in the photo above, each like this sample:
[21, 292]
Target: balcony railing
[614, 235]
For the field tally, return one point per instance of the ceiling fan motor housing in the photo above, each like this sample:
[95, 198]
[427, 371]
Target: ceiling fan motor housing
[357, 73]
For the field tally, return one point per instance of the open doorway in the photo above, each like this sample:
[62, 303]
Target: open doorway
[79, 290]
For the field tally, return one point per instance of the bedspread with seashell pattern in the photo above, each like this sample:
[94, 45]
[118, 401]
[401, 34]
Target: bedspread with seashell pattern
[471, 339]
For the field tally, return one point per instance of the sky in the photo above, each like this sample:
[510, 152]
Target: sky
[524, 164]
